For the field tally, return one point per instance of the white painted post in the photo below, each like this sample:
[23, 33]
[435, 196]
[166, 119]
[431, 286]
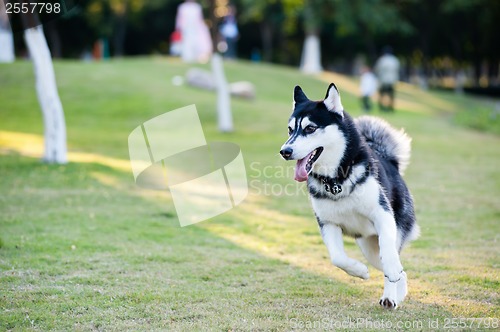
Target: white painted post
[311, 55]
[6, 38]
[224, 117]
[48, 97]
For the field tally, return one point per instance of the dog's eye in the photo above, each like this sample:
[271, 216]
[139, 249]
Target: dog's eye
[310, 129]
[290, 131]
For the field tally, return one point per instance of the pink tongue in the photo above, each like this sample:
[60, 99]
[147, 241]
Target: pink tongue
[300, 169]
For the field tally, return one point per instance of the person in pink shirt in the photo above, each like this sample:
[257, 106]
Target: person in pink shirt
[196, 44]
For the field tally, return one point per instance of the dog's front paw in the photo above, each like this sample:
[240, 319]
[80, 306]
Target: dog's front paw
[388, 303]
[358, 269]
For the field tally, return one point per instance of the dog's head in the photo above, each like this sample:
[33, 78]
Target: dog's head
[316, 135]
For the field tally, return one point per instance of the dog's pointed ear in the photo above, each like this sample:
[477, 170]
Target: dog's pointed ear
[332, 100]
[299, 95]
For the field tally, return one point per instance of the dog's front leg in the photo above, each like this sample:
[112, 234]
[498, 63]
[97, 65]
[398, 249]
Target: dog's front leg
[332, 236]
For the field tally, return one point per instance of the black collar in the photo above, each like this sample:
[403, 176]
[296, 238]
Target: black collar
[334, 185]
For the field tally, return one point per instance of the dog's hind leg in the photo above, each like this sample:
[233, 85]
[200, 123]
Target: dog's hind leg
[370, 248]
[387, 239]
[332, 236]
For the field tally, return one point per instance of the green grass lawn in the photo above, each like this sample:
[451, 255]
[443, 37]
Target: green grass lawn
[83, 248]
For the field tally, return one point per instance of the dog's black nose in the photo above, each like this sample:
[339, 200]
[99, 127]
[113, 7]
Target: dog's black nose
[286, 153]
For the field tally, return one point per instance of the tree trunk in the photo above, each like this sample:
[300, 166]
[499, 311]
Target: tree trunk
[54, 39]
[6, 37]
[492, 72]
[120, 34]
[477, 69]
[48, 97]
[224, 117]
[371, 48]
[311, 54]
[267, 41]
[214, 24]
[310, 61]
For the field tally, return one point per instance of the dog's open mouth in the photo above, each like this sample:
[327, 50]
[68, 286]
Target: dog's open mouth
[305, 164]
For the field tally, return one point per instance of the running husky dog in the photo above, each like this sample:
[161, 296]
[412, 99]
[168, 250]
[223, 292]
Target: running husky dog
[354, 173]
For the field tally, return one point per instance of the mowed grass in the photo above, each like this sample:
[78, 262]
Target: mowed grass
[83, 248]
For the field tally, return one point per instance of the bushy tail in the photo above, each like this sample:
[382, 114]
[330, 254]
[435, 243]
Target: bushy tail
[389, 143]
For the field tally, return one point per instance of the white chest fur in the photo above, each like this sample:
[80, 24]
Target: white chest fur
[351, 213]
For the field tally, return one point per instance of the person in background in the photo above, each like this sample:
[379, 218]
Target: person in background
[196, 43]
[368, 86]
[387, 71]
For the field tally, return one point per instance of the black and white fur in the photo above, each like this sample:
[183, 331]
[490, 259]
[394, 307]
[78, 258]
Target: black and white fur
[354, 174]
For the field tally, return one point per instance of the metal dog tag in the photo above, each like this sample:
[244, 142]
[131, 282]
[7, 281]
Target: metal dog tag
[337, 188]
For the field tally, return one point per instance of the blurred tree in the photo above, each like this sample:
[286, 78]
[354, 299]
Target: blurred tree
[110, 18]
[6, 37]
[422, 33]
[46, 89]
[469, 30]
[270, 17]
[313, 16]
[462, 30]
[369, 19]
[360, 19]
